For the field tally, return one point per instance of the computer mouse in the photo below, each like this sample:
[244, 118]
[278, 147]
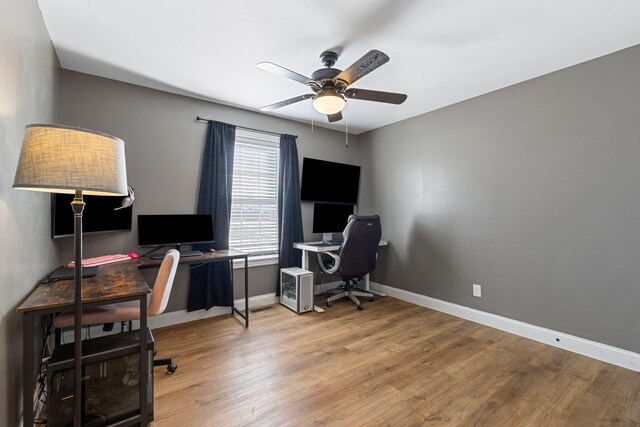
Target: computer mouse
[133, 255]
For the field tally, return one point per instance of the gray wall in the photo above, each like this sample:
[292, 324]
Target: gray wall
[29, 92]
[532, 191]
[164, 150]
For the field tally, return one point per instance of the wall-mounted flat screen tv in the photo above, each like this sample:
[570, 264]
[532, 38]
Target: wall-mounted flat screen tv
[330, 182]
[98, 216]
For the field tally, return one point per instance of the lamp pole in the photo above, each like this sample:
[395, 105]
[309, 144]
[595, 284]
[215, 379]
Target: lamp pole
[78, 206]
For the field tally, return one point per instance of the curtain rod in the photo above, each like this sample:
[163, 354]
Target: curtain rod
[200, 119]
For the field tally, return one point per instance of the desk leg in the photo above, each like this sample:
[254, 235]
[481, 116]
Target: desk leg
[246, 292]
[233, 290]
[305, 266]
[27, 369]
[244, 315]
[367, 288]
[144, 361]
[316, 308]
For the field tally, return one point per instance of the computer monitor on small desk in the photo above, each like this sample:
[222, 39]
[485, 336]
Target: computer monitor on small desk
[175, 230]
[329, 218]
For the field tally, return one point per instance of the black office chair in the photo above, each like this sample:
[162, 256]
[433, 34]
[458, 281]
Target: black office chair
[355, 258]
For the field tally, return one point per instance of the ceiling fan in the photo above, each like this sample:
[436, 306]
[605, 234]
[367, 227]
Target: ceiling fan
[330, 85]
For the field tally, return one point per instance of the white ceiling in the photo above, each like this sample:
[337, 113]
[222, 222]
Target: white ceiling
[441, 51]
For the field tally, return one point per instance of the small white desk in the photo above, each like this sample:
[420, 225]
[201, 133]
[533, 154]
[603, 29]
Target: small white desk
[320, 246]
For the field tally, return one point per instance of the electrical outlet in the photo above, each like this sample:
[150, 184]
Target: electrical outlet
[477, 291]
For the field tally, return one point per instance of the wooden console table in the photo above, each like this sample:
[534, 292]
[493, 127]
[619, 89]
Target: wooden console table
[117, 282]
[114, 283]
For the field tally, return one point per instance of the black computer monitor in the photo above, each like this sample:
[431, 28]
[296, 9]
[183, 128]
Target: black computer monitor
[330, 218]
[166, 230]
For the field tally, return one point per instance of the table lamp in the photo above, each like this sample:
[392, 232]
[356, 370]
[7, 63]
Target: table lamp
[64, 159]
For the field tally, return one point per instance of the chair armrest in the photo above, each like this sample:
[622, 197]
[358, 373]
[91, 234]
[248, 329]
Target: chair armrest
[326, 268]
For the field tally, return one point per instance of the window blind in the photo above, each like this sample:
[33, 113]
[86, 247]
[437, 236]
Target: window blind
[254, 201]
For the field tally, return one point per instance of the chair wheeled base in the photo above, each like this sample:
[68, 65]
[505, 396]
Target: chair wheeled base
[171, 367]
[348, 293]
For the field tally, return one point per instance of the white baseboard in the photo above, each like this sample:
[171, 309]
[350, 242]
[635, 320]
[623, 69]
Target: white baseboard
[184, 316]
[606, 353]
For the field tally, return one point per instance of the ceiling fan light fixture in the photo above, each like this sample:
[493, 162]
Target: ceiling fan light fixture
[331, 86]
[328, 103]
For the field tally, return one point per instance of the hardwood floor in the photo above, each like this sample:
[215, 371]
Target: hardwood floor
[392, 364]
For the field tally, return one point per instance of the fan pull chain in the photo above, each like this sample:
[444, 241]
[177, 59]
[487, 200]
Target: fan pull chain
[346, 131]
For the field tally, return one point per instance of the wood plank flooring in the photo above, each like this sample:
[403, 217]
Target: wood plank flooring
[393, 364]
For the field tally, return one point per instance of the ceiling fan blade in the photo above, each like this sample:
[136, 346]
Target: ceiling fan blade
[363, 66]
[287, 102]
[377, 96]
[281, 71]
[334, 117]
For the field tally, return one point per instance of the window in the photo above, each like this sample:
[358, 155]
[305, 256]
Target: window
[254, 202]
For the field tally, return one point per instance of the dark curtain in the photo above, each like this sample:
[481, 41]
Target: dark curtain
[211, 284]
[289, 208]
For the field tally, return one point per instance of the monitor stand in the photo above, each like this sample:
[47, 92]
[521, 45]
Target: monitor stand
[183, 254]
[327, 238]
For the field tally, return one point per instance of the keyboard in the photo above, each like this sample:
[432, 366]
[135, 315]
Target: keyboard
[101, 260]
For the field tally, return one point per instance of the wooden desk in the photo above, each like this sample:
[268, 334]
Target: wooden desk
[218, 256]
[117, 282]
[320, 246]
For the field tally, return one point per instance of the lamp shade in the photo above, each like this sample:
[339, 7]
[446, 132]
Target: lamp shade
[63, 159]
[328, 102]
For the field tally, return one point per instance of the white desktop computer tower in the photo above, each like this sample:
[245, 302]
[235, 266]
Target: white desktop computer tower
[296, 289]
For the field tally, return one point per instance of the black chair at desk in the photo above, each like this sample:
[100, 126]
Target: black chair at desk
[355, 258]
